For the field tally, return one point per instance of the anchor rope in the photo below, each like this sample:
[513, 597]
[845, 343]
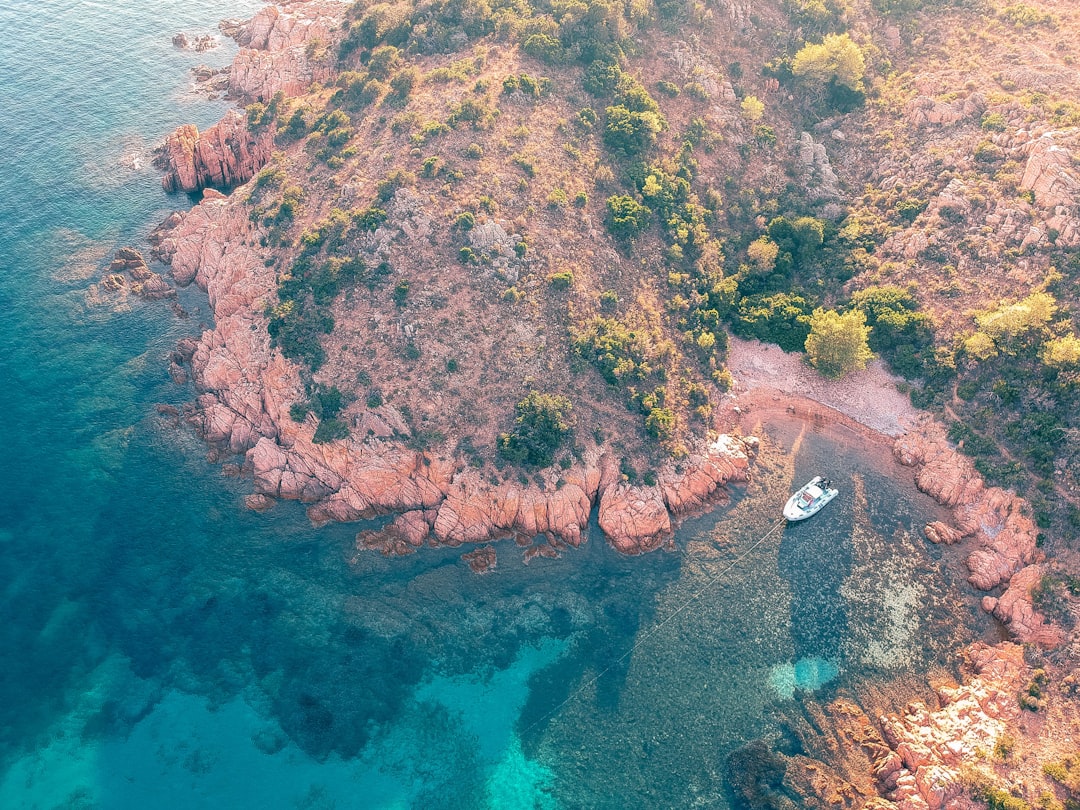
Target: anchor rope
[652, 631]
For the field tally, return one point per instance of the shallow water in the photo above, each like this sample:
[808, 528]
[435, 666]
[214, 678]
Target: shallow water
[163, 647]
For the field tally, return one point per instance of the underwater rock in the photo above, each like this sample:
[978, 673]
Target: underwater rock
[403, 535]
[482, 560]
[258, 503]
[941, 533]
[129, 260]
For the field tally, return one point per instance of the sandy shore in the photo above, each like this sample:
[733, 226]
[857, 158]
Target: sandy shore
[767, 376]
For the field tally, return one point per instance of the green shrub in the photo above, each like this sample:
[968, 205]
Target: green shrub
[626, 218]
[403, 82]
[696, 90]
[908, 210]
[660, 423]
[330, 430]
[780, 318]
[542, 425]
[621, 353]
[630, 132]
[369, 219]
[561, 281]
[558, 198]
[1024, 16]
[298, 411]
[546, 48]
[988, 152]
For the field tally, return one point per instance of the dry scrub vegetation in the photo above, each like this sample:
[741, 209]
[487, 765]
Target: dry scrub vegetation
[583, 198]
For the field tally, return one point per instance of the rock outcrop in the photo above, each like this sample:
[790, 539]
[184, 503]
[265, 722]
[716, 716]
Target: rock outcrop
[129, 271]
[284, 49]
[993, 518]
[224, 156]
[1016, 610]
[818, 176]
[1049, 172]
[197, 42]
[924, 111]
[934, 745]
[246, 387]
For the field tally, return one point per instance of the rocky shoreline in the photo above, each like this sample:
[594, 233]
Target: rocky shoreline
[246, 387]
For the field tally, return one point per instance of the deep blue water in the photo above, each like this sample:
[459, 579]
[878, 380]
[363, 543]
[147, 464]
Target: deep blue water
[162, 647]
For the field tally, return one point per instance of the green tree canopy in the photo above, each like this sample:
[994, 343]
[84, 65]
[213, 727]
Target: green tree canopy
[838, 343]
[626, 216]
[543, 422]
[1061, 352]
[899, 332]
[836, 57]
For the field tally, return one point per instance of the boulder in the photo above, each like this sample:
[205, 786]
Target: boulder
[1016, 610]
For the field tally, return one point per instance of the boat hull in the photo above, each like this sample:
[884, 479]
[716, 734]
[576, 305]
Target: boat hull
[809, 500]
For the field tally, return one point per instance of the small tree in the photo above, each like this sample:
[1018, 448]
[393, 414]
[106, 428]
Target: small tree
[752, 108]
[543, 422]
[838, 343]
[837, 58]
[626, 217]
[762, 253]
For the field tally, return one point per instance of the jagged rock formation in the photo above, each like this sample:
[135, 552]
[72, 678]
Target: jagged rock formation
[128, 271]
[224, 156]
[199, 43]
[994, 520]
[1015, 610]
[284, 49]
[930, 747]
[924, 111]
[818, 176]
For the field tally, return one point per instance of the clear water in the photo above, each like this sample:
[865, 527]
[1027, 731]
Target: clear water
[164, 648]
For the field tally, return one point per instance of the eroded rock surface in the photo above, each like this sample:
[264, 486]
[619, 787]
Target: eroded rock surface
[224, 156]
[1016, 610]
[934, 745]
[284, 49]
[996, 520]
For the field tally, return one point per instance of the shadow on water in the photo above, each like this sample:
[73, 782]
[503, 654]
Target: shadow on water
[818, 612]
[620, 589]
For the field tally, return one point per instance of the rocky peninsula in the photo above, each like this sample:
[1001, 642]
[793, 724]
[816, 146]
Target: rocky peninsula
[391, 270]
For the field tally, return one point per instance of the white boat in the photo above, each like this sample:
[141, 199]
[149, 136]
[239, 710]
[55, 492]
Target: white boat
[809, 500]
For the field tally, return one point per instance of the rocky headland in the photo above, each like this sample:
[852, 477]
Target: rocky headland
[936, 753]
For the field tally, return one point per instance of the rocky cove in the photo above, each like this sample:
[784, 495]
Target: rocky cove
[912, 758]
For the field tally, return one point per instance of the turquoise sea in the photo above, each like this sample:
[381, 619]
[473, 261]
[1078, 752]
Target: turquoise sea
[164, 648]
